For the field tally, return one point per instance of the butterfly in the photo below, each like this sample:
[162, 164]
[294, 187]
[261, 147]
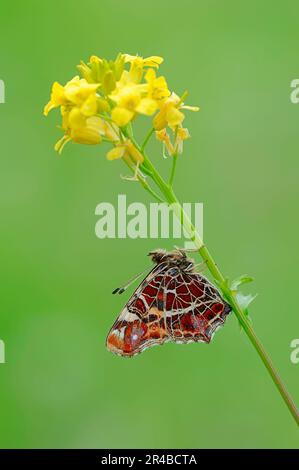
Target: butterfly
[173, 303]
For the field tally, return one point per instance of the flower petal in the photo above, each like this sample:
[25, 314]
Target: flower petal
[153, 61]
[116, 153]
[121, 116]
[147, 106]
[174, 116]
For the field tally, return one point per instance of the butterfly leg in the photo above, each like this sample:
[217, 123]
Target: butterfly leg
[186, 250]
[202, 266]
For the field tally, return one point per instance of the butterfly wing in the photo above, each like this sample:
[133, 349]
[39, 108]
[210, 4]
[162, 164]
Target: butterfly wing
[168, 305]
[193, 307]
[141, 324]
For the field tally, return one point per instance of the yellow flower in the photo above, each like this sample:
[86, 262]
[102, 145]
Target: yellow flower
[130, 100]
[157, 86]
[116, 152]
[170, 113]
[137, 65]
[125, 149]
[132, 97]
[76, 92]
[152, 61]
[79, 104]
[80, 129]
[110, 131]
[181, 134]
[105, 73]
[89, 133]
[57, 98]
[110, 94]
[164, 137]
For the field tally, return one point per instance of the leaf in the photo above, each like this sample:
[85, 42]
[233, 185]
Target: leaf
[244, 279]
[232, 288]
[245, 300]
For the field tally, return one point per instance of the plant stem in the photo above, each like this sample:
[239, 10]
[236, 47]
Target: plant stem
[173, 168]
[147, 138]
[171, 198]
[143, 182]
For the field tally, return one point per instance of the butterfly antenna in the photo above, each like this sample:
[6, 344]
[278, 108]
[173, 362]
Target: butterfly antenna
[122, 289]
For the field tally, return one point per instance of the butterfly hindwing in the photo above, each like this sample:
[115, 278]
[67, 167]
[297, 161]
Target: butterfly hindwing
[173, 303]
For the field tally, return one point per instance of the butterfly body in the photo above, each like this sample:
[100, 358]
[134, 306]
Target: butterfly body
[173, 303]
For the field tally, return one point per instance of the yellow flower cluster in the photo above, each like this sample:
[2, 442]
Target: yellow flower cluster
[110, 95]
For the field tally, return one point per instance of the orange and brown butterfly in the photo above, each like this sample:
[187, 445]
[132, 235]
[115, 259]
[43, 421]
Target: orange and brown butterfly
[173, 303]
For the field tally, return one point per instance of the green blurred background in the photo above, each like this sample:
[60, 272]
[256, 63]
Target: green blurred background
[59, 386]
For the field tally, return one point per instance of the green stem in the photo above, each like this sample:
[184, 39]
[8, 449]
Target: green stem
[173, 168]
[147, 138]
[143, 182]
[171, 198]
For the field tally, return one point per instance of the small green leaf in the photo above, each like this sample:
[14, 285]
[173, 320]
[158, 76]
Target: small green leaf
[244, 279]
[245, 300]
